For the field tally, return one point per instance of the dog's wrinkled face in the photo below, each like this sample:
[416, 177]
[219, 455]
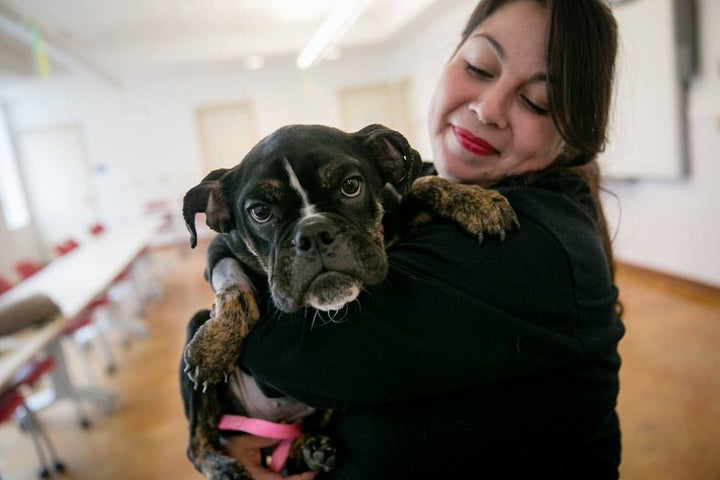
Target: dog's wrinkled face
[313, 222]
[306, 202]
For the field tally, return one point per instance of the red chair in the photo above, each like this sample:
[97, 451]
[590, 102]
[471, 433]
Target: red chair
[12, 405]
[97, 228]
[66, 247]
[5, 285]
[27, 268]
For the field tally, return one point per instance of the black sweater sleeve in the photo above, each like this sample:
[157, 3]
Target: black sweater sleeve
[454, 314]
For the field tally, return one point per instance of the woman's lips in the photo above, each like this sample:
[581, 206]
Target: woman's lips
[474, 144]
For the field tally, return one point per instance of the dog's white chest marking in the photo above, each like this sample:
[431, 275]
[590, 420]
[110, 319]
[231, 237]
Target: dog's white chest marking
[308, 208]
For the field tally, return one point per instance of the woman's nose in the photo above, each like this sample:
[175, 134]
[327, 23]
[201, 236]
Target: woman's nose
[491, 107]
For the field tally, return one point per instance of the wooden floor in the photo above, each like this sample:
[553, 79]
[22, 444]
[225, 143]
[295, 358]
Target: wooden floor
[669, 403]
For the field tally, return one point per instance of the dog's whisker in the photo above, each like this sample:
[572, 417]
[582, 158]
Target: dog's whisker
[316, 316]
[278, 314]
[341, 312]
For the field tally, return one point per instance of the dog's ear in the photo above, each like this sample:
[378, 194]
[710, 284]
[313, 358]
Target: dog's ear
[208, 197]
[398, 161]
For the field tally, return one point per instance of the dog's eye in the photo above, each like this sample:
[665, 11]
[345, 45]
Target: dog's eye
[260, 212]
[351, 186]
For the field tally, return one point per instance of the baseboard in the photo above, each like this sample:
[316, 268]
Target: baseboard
[670, 280]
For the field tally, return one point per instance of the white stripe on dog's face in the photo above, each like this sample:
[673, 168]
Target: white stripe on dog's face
[308, 208]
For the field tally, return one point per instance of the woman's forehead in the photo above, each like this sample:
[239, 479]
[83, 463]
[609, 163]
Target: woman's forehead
[520, 21]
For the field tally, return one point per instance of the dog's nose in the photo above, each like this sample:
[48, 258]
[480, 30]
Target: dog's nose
[314, 233]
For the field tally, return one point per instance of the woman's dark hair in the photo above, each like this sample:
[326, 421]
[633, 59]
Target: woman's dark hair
[580, 57]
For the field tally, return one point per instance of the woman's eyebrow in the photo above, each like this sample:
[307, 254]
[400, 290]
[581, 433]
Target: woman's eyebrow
[538, 77]
[494, 44]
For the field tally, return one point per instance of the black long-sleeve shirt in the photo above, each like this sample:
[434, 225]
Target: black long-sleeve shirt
[492, 360]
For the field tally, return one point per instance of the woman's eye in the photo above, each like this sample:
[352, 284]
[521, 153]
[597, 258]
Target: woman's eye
[260, 212]
[533, 107]
[477, 72]
[351, 187]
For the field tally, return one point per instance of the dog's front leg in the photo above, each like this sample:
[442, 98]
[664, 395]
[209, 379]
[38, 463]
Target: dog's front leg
[203, 410]
[477, 210]
[215, 348]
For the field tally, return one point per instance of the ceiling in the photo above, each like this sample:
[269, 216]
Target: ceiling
[124, 39]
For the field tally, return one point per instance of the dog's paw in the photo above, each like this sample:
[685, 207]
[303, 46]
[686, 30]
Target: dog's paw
[477, 210]
[319, 453]
[207, 362]
[213, 352]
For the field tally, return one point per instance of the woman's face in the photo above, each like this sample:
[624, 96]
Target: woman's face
[489, 116]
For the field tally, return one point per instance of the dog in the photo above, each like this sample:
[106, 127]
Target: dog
[308, 212]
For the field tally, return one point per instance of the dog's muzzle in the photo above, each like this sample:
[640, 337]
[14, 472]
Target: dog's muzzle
[325, 264]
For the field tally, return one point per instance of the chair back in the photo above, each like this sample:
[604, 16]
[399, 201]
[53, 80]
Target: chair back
[5, 285]
[27, 268]
[66, 247]
[97, 228]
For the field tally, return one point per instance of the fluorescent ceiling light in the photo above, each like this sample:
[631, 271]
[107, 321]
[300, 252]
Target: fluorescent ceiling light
[340, 18]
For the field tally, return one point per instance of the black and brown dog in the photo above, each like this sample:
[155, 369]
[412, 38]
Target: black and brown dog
[310, 211]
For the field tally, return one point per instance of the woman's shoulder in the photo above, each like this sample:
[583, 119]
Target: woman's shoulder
[556, 254]
[562, 207]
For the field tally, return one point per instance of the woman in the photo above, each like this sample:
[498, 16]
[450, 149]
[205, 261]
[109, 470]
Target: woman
[496, 360]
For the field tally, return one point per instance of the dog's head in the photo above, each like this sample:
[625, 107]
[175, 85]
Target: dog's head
[306, 202]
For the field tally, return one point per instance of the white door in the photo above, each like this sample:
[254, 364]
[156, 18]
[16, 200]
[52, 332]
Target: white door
[385, 104]
[227, 133]
[57, 176]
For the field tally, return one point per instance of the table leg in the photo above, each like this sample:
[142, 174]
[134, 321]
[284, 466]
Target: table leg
[63, 388]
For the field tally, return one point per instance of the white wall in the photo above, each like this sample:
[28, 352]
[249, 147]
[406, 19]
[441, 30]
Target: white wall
[674, 226]
[143, 143]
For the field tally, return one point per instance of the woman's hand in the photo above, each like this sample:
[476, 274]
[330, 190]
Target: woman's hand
[246, 450]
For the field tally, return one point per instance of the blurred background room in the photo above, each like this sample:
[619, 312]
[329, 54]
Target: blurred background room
[111, 111]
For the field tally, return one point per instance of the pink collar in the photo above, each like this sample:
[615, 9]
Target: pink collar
[263, 428]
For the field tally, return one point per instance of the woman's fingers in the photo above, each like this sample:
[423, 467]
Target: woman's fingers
[246, 450]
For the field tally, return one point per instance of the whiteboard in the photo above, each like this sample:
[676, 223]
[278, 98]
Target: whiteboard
[646, 136]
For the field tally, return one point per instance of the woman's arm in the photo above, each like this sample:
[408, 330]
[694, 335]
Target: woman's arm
[452, 314]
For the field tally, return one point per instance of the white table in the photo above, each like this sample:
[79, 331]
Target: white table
[72, 282]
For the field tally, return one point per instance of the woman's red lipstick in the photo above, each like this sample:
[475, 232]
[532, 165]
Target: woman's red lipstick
[474, 144]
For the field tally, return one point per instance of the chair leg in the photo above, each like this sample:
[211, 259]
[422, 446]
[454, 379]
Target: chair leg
[58, 465]
[38, 436]
[63, 384]
[124, 318]
[82, 345]
[145, 277]
[101, 328]
[138, 298]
